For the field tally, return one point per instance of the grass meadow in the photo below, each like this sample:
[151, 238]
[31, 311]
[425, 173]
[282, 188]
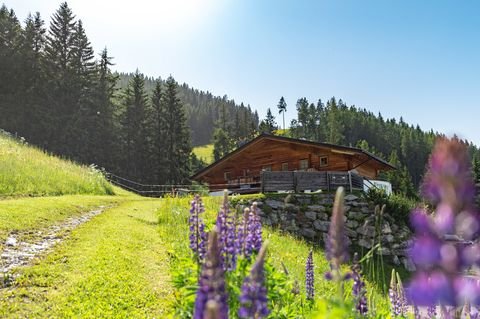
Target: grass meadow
[28, 171]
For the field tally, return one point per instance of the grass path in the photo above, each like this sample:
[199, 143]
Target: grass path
[113, 266]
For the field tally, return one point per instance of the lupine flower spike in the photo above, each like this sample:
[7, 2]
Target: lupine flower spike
[392, 294]
[309, 274]
[358, 290]
[226, 228]
[440, 262]
[242, 232]
[197, 236]
[337, 243]
[254, 237]
[211, 286]
[253, 299]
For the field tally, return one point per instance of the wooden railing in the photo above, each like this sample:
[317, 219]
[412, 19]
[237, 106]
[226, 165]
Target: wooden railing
[302, 181]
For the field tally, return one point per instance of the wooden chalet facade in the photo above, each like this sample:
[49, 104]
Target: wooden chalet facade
[244, 167]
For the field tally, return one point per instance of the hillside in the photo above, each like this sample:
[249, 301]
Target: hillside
[204, 153]
[28, 171]
[204, 110]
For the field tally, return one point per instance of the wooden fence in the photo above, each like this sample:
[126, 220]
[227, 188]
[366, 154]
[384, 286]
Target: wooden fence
[301, 181]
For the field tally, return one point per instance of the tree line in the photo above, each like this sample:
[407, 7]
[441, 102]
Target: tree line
[55, 93]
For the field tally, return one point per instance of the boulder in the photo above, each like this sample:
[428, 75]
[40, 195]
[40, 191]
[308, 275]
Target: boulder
[367, 231]
[365, 243]
[274, 204]
[356, 215]
[322, 216]
[308, 233]
[351, 233]
[311, 215]
[321, 225]
[316, 208]
[352, 224]
[350, 197]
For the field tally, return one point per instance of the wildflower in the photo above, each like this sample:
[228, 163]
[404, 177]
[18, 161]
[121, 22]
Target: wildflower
[254, 237]
[253, 299]
[309, 274]
[242, 231]
[337, 242]
[226, 228]
[397, 296]
[449, 186]
[212, 283]
[197, 236]
[358, 290]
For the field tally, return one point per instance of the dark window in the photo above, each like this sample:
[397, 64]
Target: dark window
[227, 176]
[284, 166]
[324, 161]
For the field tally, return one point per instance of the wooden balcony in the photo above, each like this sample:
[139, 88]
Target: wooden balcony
[296, 181]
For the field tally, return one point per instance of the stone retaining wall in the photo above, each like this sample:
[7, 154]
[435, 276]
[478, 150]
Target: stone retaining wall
[308, 216]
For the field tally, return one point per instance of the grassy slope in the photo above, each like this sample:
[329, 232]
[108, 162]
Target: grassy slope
[26, 170]
[113, 266]
[204, 152]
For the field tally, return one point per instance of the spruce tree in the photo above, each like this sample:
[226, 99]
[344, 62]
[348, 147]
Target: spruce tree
[177, 137]
[282, 108]
[158, 126]
[134, 128]
[59, 58]
[222, 143]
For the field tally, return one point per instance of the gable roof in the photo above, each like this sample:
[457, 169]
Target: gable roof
[291, 140]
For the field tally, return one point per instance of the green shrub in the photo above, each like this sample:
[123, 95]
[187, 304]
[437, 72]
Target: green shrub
[397, 206]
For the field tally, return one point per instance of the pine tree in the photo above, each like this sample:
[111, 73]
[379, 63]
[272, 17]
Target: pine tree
[10, 66]
[268, 125]
[177, 139]
[159, 125]
[133, 128]
[59, 57]
[282, 108]
[222, 143]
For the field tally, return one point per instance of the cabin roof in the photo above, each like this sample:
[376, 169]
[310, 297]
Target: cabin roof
[263, 136]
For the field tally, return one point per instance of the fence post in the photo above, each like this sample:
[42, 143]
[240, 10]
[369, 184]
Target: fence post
[262, 180]
[295, 182]
[350, 180]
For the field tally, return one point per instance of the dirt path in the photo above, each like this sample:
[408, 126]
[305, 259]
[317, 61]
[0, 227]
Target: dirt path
[21, 247]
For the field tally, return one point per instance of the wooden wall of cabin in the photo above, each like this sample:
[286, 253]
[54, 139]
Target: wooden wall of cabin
[249, 163]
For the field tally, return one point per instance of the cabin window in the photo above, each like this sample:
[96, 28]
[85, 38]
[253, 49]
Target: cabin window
[267, 168]
[227, 175]
[323, 161]
[303, 164]
[284, 166]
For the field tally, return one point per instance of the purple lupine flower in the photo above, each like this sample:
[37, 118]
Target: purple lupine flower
[337, 241]
[432, 312]
[226, 228]
[310, 279]
[255, 228]
[211, 285]
[197, 236]
[402, 305]
[337, 244]
[358, 289]
[241, 246]
[449, 186]
[253, 299]
[393, 295]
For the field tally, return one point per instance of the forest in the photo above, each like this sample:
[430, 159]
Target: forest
[57, 94]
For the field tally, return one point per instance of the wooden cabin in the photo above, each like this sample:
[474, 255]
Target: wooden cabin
[269, 153]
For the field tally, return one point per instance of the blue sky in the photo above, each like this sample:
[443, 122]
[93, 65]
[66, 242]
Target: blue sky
[416, 59]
